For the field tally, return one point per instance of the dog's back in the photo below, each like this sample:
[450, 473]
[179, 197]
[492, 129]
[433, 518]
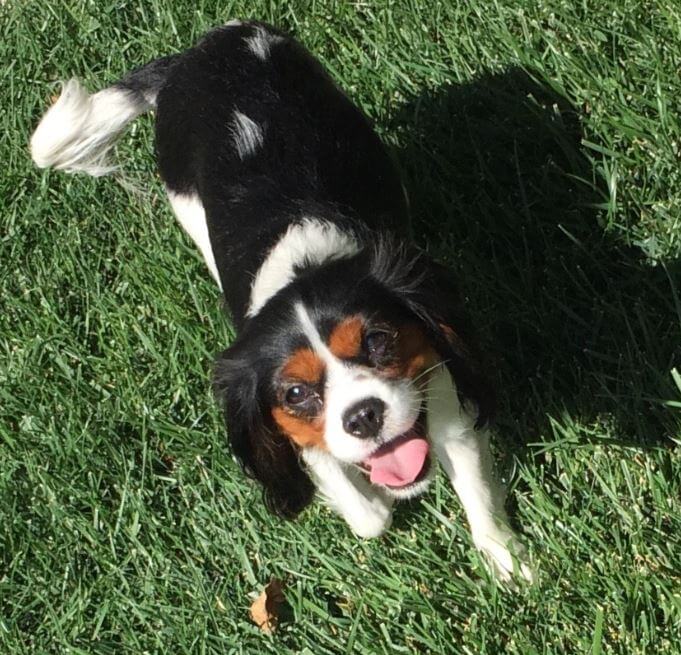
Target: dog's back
[252, 135]
[250, 120]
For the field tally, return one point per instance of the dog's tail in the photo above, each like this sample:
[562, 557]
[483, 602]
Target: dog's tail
[79, 130]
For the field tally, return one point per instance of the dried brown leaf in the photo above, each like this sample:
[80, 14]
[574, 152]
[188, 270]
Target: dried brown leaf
[265, 608]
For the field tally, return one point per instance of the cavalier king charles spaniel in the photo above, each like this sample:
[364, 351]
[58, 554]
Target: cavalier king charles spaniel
[354, 368]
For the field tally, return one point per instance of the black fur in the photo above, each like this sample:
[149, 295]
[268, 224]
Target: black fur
[318, 158]
[264, 454]
[148, 80]
[318, 150]
[429, 292]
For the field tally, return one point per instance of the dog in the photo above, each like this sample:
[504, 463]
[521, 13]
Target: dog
[354, 365]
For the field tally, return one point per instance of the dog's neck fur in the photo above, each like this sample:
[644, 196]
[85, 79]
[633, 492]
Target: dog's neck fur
[310, 242]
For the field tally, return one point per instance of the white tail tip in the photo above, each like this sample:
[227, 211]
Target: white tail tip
[79, 130]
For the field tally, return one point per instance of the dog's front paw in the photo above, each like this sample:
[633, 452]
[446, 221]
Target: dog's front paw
[505, 554]
[372, 523]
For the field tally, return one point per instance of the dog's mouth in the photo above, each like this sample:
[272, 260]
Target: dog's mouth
[401, 462]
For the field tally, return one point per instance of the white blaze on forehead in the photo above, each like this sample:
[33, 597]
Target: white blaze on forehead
[248, 135]
[313, 336]
[309, 242]
[347, 384]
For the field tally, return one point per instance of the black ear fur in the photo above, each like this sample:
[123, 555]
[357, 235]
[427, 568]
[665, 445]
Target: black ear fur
[429, 291]
[263, 452]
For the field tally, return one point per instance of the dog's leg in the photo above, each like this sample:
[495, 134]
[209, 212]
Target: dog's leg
[366, 509]
[464, 453]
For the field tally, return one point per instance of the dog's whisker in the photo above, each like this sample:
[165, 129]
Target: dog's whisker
[427, 371]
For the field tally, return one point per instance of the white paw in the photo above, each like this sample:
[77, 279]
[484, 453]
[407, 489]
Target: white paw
[372, 523]
[505, 554]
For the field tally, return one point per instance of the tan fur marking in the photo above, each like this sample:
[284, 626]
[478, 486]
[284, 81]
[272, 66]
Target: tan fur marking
[453, 337]
[303, 366]
[304, 432]
[448, 332]
[345, 341]
[414, 354]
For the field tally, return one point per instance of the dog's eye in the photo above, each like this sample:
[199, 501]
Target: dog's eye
[298, 394]
[377, 343]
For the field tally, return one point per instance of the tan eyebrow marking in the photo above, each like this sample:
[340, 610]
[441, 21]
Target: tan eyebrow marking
[345, 341]
[304, 365]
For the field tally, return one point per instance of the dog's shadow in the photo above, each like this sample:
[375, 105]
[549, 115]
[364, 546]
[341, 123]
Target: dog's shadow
[578, 326]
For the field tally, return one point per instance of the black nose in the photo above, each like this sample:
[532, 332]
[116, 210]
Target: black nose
[365, 418]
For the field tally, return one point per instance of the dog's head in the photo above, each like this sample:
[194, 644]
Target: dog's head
[340, 360]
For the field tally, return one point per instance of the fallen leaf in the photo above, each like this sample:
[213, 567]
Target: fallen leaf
[265, 608]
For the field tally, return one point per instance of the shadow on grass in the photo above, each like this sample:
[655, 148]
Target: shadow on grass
[577, 326]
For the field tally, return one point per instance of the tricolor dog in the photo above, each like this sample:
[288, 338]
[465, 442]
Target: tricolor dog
[354, 369]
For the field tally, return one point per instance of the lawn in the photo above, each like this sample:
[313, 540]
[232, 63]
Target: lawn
[539, 142]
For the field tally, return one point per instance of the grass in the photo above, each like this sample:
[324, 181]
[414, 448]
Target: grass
[539, 141]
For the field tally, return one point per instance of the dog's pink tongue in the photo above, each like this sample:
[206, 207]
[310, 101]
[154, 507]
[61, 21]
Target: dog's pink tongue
[400, 464]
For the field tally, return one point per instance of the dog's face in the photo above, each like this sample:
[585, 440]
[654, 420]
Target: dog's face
[339, 362]
[357, 390]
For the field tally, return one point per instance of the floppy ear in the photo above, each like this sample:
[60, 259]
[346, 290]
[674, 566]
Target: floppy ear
[441, 308]
[429, 291]
[263, 452]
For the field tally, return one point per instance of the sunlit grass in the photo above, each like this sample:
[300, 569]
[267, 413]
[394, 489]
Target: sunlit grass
[539, 143]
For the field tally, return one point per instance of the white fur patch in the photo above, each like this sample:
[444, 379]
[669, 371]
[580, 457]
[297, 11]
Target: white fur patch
[261, 42]
[192, 216]
[248, 135]
[367, 509]
[79, 130]
[464, 454]
[309, 242]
